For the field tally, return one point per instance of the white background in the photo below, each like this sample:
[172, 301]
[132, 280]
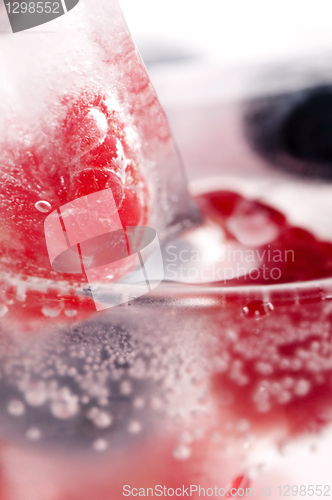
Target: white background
[233, 31]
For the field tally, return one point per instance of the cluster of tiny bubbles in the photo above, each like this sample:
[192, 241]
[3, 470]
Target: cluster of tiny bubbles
[43, 206]
[276, 362]
[96, 385]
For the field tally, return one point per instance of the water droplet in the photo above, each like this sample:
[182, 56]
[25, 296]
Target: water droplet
[15, 407]
[102, 420]
[243, 426]
[302, 387]
[284, 397]
[134, 427]
[186, 437]
[100, 445]
[103, 401]
[49, 312]
[65, 404]
[43, 206]
[287, 382]
[33, 433]
[36, 394]
[263, 406]
[264, 368]
[125, 388]
[70, 313]
[93, 413]
[138, 403]
[182, 452]
[3, 310]
[257, 309]
[156, 404]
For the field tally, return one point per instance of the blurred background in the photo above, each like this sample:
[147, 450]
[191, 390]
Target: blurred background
[228, 32]
[211, 62]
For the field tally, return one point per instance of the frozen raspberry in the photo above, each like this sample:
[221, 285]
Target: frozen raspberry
[89, 149]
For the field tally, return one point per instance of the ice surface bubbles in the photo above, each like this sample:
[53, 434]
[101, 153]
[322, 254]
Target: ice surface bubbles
[94, 386]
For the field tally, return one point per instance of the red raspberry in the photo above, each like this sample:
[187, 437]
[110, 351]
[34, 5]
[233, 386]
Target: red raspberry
[89, 149]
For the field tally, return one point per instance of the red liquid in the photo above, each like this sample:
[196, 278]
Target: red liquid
[306, 259]
[274, 347]
[271, 362]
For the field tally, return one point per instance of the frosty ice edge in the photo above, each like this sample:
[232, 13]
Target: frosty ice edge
[87, 236]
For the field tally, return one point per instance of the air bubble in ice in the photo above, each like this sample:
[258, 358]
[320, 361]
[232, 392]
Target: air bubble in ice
[134, 427]
[49, 312]
[182, 452]
[33, 434]
[3, 310]
[15, 407]
[100, 445]
[43, 206]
